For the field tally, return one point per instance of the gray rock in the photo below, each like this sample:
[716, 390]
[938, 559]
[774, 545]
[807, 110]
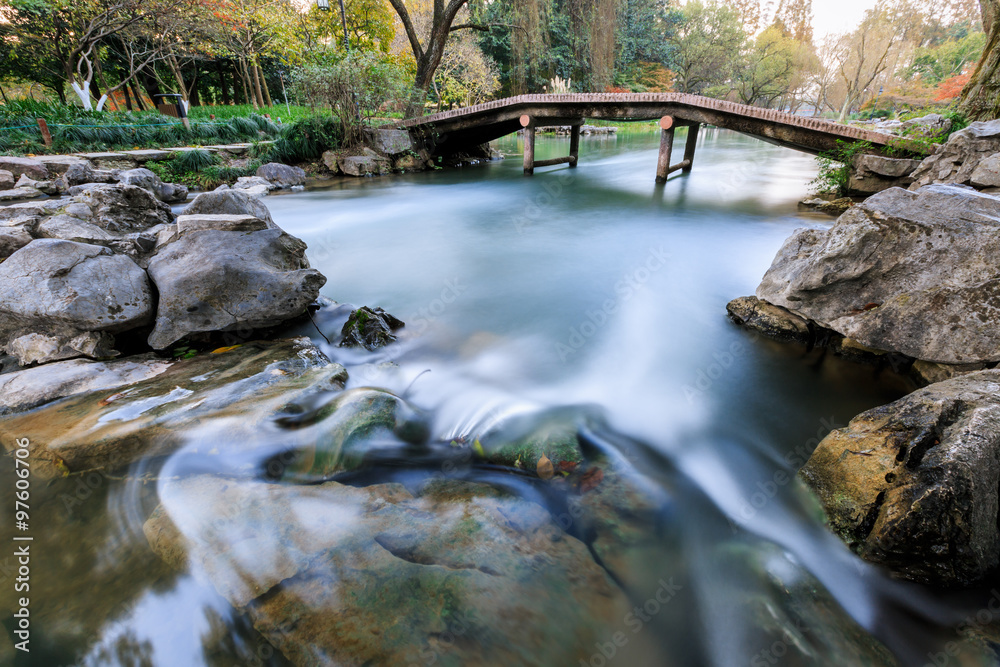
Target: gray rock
[987, 173]
[958, 158]
[12, 239]
[834, 207]
[913, 485]
[113, 414]
[330, 162]
[68, 228]
[218, 281]
[229, 202]
[407, 163]
[255, 186]
[36, 348]
[6, 180]
[281, 175]
[364, 165]
[58, 165]
[906, 272]
[930, 126]
[772, 321]
[23, 165]
[874, 173]
[147, 180]
[63, 289]
[27, 389]
[391, 143]
[124, 208]
[222, 223]
[53, 187]
[20, 193]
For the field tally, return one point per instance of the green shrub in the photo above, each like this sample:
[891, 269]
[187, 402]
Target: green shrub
[307, 139]
[835, 167]
[193, 161]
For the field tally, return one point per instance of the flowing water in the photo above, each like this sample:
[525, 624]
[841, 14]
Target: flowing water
[589, 298]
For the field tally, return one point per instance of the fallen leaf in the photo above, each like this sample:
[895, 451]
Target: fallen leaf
[478, 447]
[544, 468]
[225, 349]
[567, 466]
[591, 479]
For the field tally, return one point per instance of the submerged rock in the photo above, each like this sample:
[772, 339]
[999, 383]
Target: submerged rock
[64, 295]
[906, 272]
[333, 574]
[97, 427]
[913, 485]
[212, 280]
[370, 328]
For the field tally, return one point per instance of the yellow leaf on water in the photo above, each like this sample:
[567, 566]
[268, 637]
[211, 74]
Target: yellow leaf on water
[225, 349]
[545, 469]
[478, 446]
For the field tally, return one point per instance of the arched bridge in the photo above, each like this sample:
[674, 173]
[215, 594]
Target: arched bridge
[458, 130]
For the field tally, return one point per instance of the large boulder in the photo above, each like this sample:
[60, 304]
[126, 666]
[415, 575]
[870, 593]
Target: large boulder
[215, 280]
[23, 165]
[229, 202]
[59, 299]
[391, 143]
[124, 208]
[281, 175]
[987, 173]
[907, 272]
[332, 574]
[913, 485]
[958, 158]
[112, 414]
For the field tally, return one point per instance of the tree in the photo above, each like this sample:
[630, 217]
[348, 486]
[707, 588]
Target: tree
[769, 68]
[981, 96]
[863, 55]
[707, 44]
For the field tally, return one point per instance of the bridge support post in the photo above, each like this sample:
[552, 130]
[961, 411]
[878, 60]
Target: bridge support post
[692, 142]
[529, 145]
[574, 144]
[666, 148]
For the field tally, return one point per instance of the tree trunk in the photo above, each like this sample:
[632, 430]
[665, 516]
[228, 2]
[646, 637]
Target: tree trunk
[263, 85]
[259, 102]
[128, 98]
[981, 96]
[139, 104]
[223, 85]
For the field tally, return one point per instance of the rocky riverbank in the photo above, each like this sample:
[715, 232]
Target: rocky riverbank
[907, 278]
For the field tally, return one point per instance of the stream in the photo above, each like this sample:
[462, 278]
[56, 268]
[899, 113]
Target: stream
[587, 299]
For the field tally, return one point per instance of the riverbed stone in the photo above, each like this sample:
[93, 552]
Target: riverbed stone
[24, 165]
[370, 328]
[912, 485]
[6, 180]
[124, 208]
[63, 289]
[213, 280]
[29, 388]
[115, 414]
[281, 175]
[255, 186]
[67, 227]
[495, 570]
[229, 202]
[906, 272]
[330, 162]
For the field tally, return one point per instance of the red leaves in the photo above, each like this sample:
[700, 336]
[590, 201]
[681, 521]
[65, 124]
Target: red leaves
[591, 479]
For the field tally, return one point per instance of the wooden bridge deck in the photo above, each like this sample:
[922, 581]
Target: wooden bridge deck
[460, 129]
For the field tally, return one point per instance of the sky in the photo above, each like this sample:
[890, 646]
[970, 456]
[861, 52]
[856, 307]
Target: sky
[831, 17]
